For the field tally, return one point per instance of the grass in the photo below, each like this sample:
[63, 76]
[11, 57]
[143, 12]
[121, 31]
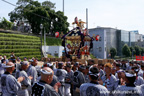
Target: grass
[52, 41]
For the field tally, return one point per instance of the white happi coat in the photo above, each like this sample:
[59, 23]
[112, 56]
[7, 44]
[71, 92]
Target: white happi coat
[9, 85]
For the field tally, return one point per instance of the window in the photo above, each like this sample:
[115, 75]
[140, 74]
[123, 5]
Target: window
[100, 49]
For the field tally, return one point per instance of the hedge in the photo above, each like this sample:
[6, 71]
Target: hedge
[18, 50]
[18, 39]
[23, 54]
[17, 36]
[19, 43]
[17, 46]
[54, 41]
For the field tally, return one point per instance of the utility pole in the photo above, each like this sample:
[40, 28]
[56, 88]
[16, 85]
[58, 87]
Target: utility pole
[87, 21]
[44, 42]
[41, 27]
[63, 6]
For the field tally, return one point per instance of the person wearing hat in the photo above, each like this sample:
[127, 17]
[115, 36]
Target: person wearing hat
[35, 64]
[129, 89]
[4, 59]
[10, 85]
[86, 74]
[2, 70]
[93, 88]
[75, 67]
[61, 75]
[130, 65]
[141, 71]
[79, 79]
[12, 56]
[139, 80]
[121, 78]
[25, 59]
[25, 83]
[101, 70]
[108, 80]
[31, 71]
[43, 88]
[142, 68]
[118, 66]
[68, 79]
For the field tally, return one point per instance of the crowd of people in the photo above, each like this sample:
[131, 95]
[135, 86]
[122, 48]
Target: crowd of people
[25, 78]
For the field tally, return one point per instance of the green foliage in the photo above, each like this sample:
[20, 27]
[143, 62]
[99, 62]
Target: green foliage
[50, 56]
[53, 41]
[92, 56]
[21, 45]
[5, 24]
[49, 4]
[132, 49]
[113, 52]
[138, 50]
[18, 36]
[142, 51]
[126, 51]
[40, 13]
[18, 39]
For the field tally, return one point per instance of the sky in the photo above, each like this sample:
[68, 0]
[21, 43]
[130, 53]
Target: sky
[121, 14]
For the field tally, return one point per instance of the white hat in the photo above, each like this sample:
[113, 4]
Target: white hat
[9, 65]
[46, 72]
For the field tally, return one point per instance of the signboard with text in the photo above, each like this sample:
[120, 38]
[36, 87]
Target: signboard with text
[139, 58]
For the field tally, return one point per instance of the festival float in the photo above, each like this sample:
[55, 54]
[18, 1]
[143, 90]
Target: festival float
[77, 42]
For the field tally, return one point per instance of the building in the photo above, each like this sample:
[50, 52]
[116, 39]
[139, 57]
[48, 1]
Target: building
[102, 47]
[53, 50]
[112, 38]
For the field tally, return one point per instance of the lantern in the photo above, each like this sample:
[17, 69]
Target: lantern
[57, 34]
[97, 37]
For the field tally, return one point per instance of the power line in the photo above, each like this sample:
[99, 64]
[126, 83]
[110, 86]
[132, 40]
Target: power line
[28, 10]
[9, 3]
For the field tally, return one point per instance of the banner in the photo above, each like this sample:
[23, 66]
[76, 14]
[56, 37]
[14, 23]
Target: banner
[139, 58]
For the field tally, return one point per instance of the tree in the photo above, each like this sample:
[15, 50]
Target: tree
[142, 51]
[49, 4]
[113, 52]
[138, 50]
[17, 13]
[132, 49]
[5, 24]
[40, 13]
[126, 51]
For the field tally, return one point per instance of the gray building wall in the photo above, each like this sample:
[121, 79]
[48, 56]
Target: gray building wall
[113, 38]
[99, 47]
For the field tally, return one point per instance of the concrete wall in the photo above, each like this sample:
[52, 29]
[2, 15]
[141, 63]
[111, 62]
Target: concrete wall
[53, 49]
[99, 47]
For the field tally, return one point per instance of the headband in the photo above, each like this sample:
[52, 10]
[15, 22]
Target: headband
[8, 66]
[130, 75]
[96, 74]
[49, 64]
[46, 72]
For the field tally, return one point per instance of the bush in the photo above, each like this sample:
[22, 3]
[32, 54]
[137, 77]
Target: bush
[53, 41]
[138, 50]
[113, 52]
[19, 43]
[6, 24]
[126, 51]
[92, 56]
[18, 50]
[18, 36]
[18, 39]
